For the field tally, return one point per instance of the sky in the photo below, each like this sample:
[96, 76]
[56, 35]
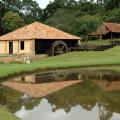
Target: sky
[43, 3]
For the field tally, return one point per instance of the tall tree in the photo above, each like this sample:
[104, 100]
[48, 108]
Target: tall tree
[32, 8]
[111, 4]
[14, 5]
[3, 10]
[11, 22]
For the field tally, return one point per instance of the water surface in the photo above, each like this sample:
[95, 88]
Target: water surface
[64, 95]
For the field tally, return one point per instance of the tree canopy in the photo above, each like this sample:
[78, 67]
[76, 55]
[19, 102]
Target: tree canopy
[75, 17]
[11, 22]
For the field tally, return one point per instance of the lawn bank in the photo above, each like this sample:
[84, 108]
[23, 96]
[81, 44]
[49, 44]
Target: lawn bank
[70, 60]
[5, 114]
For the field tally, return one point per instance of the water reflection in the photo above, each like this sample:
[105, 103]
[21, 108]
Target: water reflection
[97, 97]
[49, 77]
[13, 99]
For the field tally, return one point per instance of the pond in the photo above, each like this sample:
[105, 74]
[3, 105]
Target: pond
[64, 95]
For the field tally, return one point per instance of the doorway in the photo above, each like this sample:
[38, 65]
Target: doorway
[10, 47]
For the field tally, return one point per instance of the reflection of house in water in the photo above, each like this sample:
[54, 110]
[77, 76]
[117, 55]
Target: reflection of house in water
[108, 84]
[27, 79]
[43, 84]
[49, 77]
[113, 86]
[101, 83]
[47, 83]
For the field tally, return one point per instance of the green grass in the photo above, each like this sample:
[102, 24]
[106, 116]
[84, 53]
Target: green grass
[5, 114]
[103, 42]
[16, 62]
[111, 56]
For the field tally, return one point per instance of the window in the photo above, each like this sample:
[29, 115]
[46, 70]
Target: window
[22, 45]
[23, 79]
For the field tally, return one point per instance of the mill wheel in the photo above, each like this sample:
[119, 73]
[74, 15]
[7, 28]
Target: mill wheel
[60, 76]
[58, 48]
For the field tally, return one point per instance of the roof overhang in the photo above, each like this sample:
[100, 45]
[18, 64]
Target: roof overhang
[36, 38]
[99, 33]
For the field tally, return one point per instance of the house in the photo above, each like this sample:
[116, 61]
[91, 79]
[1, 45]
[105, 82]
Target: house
[37, 38]
[107, 31]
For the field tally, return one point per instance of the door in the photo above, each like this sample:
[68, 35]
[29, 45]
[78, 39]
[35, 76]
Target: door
[10, 47]
[38, 47]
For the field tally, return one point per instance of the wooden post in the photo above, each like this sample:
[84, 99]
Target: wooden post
[100, 37]
[6, 47]
[79, 42]
[18, 46]
[86, 39]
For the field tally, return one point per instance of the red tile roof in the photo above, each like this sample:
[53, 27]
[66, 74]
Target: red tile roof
[37, 31]
[100, 32]
[113, 27]
[40, 90]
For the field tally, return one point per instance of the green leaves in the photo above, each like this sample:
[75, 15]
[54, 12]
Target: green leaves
[86, 24]
[63, 19]
[113, 16]
[11, 22]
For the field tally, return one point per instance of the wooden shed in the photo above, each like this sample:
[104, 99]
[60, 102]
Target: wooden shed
[37, 38]
[107, 31]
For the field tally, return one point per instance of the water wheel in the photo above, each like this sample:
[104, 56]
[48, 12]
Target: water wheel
[58, 48]
[60, 76]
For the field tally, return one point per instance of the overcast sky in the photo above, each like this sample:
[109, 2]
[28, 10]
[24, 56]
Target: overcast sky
[43, 3]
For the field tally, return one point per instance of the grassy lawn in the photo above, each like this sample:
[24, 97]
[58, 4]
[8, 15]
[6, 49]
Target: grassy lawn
[103, 42]
[111, 56]
[5, 114]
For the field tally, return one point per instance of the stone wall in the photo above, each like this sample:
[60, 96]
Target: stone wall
[29, 47]
[8, 59]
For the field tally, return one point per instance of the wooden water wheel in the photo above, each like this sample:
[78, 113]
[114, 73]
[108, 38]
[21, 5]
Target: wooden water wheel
[58, 48]
[60, 76]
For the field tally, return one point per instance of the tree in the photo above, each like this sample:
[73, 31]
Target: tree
[86, 24]
[13, 5]
[111, 4]
[11, 22]
[112, 16]
[3, 10]
[60, 22]
[29, 19]
[31, 8]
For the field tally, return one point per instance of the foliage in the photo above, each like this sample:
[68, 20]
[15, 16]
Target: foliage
[113, 16]
[11, 22]
[111, 4]
[63, 23]
[5, 114]
[75, 17]
[79, 94]
[86, 16]
[86, 24]
[31, 10]
[14, 99]
[28, 19]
